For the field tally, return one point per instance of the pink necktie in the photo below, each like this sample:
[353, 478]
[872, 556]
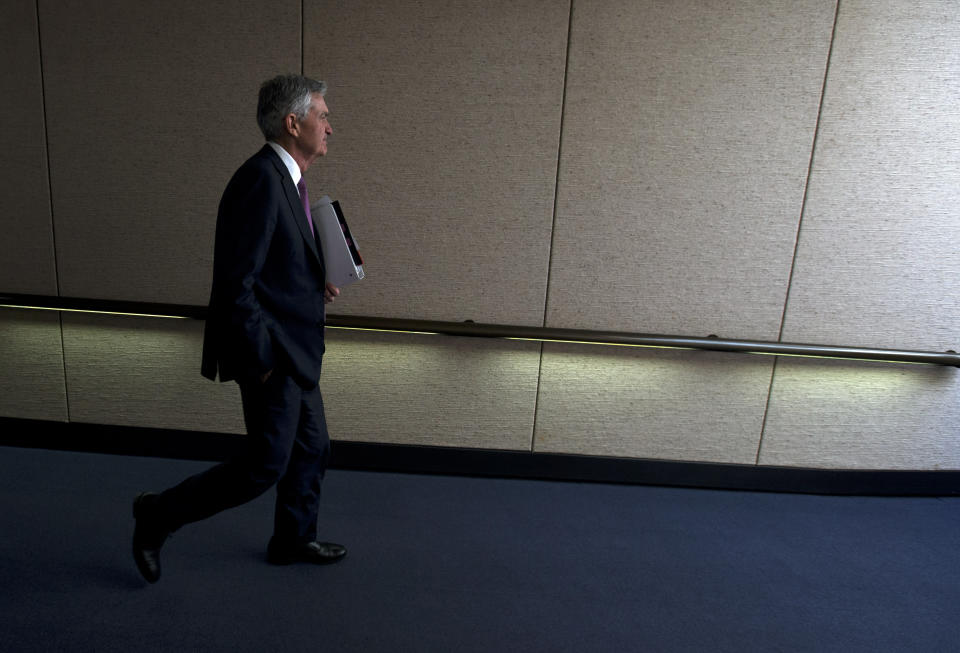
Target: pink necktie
[305, 200]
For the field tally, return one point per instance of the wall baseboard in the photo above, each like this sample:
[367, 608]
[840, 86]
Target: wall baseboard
[197, 445]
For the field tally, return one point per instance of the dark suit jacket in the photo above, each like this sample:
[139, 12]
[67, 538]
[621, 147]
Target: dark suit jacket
[266, 304]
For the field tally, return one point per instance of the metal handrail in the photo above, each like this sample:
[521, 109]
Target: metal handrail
[478, 330]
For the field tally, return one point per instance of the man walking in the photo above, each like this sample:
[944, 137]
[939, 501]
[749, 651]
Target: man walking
[264, 330]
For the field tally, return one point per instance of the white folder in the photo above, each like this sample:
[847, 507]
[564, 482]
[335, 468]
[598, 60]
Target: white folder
[340, 254]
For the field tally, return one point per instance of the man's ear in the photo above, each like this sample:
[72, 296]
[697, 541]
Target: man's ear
[290, 124]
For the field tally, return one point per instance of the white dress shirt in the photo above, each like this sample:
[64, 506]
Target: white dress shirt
[288, 161]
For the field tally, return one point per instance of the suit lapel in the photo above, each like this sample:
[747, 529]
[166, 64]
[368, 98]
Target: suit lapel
[293, 199]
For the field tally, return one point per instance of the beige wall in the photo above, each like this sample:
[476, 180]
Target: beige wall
[26, 246]
[145, 104]
[771, 170]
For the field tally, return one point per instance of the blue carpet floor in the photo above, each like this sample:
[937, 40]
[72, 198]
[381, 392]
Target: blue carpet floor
[463, 564]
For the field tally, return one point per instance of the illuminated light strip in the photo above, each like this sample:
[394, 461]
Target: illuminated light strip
[350, 328]
[844, 358]
[87, 310]
[607, 344]
[524, 333]
[744, 347]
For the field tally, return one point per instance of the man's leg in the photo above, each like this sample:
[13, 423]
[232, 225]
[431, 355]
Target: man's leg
[298, 492]
[271, 411]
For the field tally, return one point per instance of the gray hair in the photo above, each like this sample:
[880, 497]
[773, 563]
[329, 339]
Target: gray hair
[281, 96]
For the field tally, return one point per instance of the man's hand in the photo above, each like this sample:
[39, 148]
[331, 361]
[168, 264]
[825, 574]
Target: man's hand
[330, 293]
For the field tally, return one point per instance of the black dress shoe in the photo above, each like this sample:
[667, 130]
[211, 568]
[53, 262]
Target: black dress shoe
[148, 536]
[319, 553]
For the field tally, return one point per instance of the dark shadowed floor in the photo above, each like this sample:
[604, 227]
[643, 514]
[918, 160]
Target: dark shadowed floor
[453, 564]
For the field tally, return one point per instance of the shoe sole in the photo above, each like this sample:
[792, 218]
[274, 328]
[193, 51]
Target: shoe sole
[282, 560]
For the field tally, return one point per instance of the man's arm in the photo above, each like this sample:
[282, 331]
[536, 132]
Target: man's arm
[248, 217]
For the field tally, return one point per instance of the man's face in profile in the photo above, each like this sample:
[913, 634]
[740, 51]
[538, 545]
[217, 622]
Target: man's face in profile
[314, 129]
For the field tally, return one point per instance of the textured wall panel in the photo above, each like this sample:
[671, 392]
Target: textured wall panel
[679, 405]
[135, 371]
[687, 136]
[430, 390]
[844, 415]
[446, 120]
[377, 387]
[31, 365]
[26, 248]
[877, 263]
[151, 107]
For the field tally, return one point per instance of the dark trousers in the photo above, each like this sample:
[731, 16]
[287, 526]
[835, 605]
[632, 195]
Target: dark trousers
[287, 445]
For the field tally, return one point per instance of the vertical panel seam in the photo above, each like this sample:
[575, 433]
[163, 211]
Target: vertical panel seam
[556, 183]
[53, 227]
[303, 29]
[46, 145]
[810, 163]
[63, 360]
[536, 403]
[796, 241]
[553, 225]
[766, 408]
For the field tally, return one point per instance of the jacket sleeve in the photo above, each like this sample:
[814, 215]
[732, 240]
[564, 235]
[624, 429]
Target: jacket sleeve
[245, 226]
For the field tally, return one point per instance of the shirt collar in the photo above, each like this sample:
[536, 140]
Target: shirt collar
[288, 161]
